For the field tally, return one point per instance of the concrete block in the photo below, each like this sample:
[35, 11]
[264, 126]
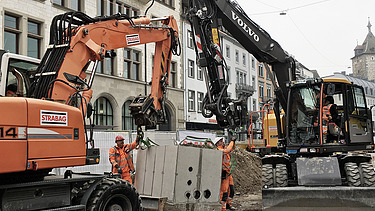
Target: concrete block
[158, 172]
[149, 171]
[187, 174]
[183, 174]
[210, 181]
[169, 173]
[140, 171]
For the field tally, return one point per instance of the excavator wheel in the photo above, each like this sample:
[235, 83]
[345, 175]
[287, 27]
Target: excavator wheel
[368, 174]
[114, 194]
[281, 175]
[267, 175]
[353, 176]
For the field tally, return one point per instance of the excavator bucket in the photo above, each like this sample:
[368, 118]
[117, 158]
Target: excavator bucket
[318, 171]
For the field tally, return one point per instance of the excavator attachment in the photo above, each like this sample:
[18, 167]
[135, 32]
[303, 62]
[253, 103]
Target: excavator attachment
[322, 171]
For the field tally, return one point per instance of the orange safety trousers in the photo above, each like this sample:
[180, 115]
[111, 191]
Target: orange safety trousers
[224, 193]
[230, 191]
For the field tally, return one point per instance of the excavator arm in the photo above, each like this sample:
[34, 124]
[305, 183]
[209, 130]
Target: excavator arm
[206, 16]
[78, 40]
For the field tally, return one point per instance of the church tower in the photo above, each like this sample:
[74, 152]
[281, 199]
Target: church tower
[363, 62]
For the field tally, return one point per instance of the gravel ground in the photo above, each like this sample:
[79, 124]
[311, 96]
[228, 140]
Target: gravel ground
[247, 179]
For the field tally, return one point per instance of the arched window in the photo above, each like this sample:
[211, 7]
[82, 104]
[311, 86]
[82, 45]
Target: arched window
[103, 112]
[127, 119]
[167, 126]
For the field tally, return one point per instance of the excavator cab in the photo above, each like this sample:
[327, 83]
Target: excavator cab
[327, 114]
[16, 71]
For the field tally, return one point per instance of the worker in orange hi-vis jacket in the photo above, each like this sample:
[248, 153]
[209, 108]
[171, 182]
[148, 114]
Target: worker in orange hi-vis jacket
[121, 159]
[219, 142]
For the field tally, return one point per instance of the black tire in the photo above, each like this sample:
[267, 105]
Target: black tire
[281, 175]
[353, 177]
[267, 175]
[368, 174]
[114, 194]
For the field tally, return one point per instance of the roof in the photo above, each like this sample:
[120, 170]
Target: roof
[368, 46]
[362, 82]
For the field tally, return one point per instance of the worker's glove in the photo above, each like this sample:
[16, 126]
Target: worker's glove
[234, 138]
[119, 170]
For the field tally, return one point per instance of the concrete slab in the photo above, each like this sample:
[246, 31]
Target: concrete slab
[318, 197]
[183, 174]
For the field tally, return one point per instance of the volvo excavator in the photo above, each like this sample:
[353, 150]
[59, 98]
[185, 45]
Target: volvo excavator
[311, 150]
[44, 127]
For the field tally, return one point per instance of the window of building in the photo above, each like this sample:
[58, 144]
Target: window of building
[132, 63]
[227, 51]
[34, 39]
[127, 119]
[261, 89]
[365, 90]
[111, 7]
[200, 97]
[167, 2]
[11, 33]
[241, 77]
[237, 56]
[103, 114]
[71, 4]
[199, 74]
[371, 91]
[173, 75]
[190, 39]
[228, 75]
[106, 66]
[244, 59]
[269, 93]
[191, 100]
[252, 62]
[191, 68]
[268, 75]
[261, 70]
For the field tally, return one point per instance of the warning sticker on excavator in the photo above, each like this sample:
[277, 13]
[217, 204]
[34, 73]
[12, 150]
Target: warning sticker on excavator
[132, 39]
[58, 118]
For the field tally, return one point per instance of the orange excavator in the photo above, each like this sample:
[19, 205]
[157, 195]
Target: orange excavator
[44, 127]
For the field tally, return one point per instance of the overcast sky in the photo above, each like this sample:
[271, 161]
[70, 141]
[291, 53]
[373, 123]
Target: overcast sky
[321, 34]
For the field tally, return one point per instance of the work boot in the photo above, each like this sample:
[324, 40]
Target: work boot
[230, 207]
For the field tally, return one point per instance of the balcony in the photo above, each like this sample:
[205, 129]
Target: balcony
[144, 1]
[244, 89]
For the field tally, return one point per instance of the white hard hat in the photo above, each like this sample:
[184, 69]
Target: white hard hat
[217, 139]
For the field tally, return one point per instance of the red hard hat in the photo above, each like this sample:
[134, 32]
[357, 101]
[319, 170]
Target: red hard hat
[119, 138]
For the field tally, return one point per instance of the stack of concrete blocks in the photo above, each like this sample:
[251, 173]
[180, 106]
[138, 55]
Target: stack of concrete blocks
[183, 174]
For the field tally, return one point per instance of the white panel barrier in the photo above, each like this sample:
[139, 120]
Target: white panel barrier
[104, 141]
[183, 174]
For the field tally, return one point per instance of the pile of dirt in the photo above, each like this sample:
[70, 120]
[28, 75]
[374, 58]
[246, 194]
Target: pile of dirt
[247, 173]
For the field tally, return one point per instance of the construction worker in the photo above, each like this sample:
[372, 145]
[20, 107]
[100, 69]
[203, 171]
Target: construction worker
[226, 167]
[11, 90]
[330, 115]
[121, 159]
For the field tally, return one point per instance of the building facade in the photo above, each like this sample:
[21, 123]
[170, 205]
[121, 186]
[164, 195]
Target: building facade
[363, 62]
[24, 29]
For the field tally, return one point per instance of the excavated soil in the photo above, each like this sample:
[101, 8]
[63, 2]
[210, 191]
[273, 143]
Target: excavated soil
[247, 179]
